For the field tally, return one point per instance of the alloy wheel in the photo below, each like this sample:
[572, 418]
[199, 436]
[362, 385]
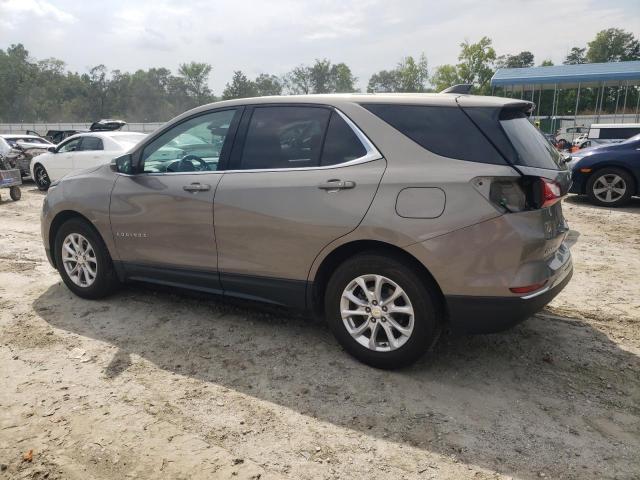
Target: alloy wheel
[79, 260]
[609, 188]
[377, 312]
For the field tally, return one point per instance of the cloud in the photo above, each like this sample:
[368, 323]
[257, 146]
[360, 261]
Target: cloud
[272, 37]
[15, 13]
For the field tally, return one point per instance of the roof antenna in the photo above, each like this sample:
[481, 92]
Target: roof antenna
[462, 88]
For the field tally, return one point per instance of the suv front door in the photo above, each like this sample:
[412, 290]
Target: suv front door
[162, 218]
[300, 177]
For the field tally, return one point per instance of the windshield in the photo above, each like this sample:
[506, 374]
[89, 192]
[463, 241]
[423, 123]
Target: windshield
[533, 149]
[128, 141]
[634, 139]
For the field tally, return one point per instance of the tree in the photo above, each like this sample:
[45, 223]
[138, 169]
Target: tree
[299, 81]
[321, 77]
[239, 87]
[412, 74]
[576, 56]
[613, 45]
[445, 76]
[342, 80]
[408, 76]
[547, 63]
[195, 76]
[268, 85]
[385, 81]
[521, 60]
[476, 64]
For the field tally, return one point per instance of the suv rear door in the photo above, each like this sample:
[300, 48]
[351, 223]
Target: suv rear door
[300, 177]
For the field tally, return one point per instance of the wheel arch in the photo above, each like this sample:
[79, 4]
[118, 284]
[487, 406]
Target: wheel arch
[315, 295]
[59, 220]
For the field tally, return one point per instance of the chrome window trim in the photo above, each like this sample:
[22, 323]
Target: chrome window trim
[371, 154]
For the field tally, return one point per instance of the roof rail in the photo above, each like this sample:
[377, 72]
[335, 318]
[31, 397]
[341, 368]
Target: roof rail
[462, 88]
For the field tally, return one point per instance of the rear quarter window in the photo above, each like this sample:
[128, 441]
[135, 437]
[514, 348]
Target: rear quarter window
[446, 131]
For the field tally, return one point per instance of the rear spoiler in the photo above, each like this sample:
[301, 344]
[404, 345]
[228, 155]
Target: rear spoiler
[461, 88]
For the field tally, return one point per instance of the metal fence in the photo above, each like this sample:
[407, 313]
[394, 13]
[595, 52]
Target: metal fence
[42, 128]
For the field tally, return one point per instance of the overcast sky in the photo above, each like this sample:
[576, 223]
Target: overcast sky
[275, 35]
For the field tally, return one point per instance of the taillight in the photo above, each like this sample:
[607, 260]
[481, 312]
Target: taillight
[508, 194]
[551, 192]
[517, 194]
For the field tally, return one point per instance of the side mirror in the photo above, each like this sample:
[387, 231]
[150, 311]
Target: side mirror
[52, 149]
[122, 164]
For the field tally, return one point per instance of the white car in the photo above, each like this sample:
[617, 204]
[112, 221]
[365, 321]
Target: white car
[79, 152]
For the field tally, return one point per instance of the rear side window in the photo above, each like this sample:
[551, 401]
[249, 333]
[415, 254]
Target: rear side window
[532, 148]
[284, 137]
[91, 143]
[341, 143]
[446, 131]
[617, 133]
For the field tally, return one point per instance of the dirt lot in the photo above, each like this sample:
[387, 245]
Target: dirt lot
[152, 384]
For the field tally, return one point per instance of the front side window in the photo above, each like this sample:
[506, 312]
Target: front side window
[191, 146]
[70, 146]
[91, 143]
[284, 137]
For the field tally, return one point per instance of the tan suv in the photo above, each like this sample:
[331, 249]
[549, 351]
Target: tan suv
[394, 215]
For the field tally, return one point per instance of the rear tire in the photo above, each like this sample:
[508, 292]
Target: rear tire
[41, 177]
[83, 260]
[610, 187]
[413, 334]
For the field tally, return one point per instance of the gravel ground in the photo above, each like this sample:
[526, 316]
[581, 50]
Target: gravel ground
[157, 384]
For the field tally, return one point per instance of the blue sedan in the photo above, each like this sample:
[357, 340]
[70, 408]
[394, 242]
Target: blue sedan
[608, 174]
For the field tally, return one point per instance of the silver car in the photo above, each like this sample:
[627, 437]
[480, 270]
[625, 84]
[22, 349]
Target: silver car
[394, 216]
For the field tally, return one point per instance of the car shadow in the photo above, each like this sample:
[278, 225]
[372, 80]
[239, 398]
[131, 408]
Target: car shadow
[552, 394]
[632, 207]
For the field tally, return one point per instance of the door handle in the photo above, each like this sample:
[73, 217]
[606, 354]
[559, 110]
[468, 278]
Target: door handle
[336, 184]
[196, 187]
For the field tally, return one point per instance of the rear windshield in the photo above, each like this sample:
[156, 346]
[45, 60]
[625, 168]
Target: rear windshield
[533, 149]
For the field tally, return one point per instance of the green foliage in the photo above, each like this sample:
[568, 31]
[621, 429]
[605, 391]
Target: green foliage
[576, 56]
[613, 45]
[239, 87]
[445, 76]
[321, 77]
[268, 85]
[195, 76]
[547, 63]
[408, 76]
[521, 60]
[476, 64]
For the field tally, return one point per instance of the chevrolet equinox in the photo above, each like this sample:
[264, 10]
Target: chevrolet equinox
[392, 215]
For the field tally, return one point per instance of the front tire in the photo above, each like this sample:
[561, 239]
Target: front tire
[41, 177]
[83, 260]
[610, 187]
[381, 310]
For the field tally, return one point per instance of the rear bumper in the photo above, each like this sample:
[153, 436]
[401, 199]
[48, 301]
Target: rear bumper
[472, 314]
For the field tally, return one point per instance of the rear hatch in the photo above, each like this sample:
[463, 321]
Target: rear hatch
[534, 199]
